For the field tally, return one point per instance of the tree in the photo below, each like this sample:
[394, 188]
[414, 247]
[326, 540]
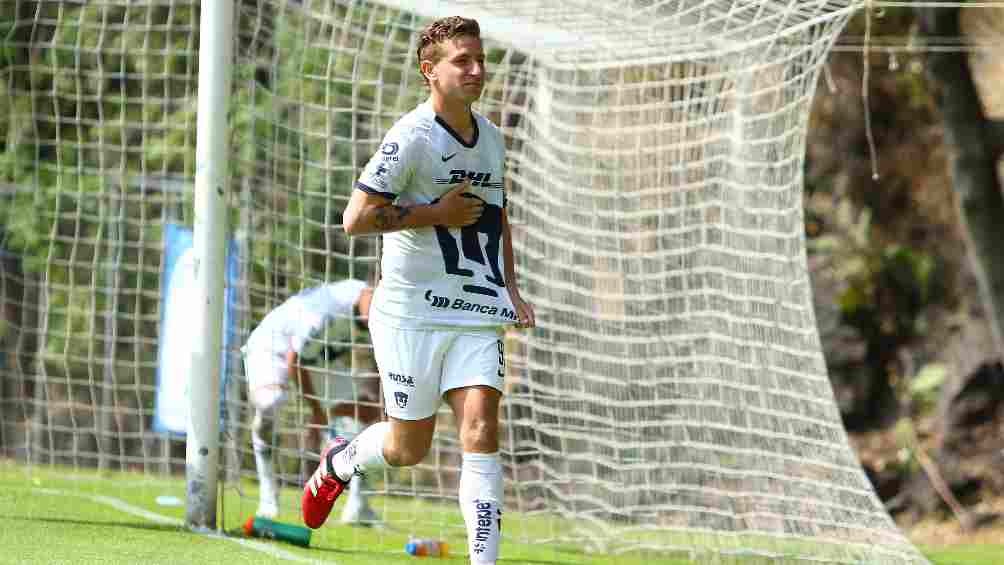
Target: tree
[978, 144]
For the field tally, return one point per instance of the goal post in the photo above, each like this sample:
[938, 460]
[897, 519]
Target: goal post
[673, 399]
[202, 454]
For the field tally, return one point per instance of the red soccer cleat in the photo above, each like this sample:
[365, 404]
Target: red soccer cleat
[323, 487]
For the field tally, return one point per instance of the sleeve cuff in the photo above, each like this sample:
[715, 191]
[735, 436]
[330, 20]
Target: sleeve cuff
[371, 190]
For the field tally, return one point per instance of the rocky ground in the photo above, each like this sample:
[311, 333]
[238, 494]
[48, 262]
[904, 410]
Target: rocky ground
[901, 462]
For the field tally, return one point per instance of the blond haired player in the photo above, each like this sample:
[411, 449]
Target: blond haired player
[435, 191]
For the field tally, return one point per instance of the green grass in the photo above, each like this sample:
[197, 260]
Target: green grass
[49, 515]
[966, 555]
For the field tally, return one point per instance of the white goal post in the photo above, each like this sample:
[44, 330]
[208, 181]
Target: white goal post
[674, 398]
[209, 248]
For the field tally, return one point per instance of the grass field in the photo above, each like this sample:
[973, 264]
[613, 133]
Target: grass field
[50, 516]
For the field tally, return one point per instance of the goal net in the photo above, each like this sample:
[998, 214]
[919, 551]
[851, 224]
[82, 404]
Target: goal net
[673, 399]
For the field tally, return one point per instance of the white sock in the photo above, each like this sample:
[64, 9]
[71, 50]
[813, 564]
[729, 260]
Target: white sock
[262, 448]
[363, 454]
[267, 488]
[344, 426]
[481, 504]
[356, 490]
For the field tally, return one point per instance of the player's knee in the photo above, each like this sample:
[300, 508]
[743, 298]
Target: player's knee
[479, 434]
[404, 455]
[406, 447]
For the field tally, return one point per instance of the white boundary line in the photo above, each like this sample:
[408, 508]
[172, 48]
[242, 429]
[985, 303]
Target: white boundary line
[124, 506]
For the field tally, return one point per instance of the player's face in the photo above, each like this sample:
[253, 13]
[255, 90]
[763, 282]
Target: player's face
[460, 73]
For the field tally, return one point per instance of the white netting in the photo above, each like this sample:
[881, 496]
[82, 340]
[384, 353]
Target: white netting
[674, 396]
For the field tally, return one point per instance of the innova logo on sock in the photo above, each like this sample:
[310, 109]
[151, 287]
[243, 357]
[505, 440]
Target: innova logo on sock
[483, 524]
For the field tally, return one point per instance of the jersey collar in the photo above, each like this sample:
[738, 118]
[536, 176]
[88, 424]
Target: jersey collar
[460, 140]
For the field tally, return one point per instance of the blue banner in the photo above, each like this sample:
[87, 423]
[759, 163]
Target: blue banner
[174, 355]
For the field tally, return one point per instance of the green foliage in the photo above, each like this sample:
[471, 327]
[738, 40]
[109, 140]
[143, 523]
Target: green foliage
[100, 100]
[888, 286]
[905, 434]
[8, 53]
[888, 293]
[885, 293]
[914, 87]
[925, 388]
[885, 21]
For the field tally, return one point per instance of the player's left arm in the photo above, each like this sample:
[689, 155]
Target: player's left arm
[524, 311]
[305, 382]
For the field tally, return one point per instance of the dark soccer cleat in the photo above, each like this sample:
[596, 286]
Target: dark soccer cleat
[323, 487]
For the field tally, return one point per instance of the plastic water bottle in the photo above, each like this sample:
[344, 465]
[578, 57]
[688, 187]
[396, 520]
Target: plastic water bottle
[421, 547]
[270, 529]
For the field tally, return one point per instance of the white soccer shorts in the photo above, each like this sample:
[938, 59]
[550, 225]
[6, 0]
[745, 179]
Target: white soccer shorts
[268, 381]
[417, 366]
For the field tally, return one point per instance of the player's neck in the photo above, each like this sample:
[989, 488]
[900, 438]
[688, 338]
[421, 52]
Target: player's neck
[456, 114]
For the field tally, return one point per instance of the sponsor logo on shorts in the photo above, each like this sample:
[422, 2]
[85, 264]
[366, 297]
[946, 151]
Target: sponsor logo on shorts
[401, 399]
[406, 380]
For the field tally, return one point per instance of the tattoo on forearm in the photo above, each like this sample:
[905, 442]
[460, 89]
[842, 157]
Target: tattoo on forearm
[390, 218]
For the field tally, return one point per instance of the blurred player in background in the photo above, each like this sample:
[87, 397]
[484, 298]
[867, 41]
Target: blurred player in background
[435, 191]
[308, 328]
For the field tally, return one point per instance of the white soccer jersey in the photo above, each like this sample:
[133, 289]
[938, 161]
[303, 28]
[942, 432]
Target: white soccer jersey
[438, 276]
[308, 321]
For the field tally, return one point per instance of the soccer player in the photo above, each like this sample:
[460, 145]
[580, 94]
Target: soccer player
[434, 190]
[299, 332]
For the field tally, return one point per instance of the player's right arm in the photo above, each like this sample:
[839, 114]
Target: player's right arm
[391, 170]
[369, 213]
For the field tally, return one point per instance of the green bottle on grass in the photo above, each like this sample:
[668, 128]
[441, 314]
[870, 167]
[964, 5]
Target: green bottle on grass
[257, 526]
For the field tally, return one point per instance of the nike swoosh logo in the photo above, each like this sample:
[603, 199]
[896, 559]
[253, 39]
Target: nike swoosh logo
[446, 158]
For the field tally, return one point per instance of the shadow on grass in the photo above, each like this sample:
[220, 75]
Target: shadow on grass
[100, 523]
[376, 555]
[573, 557]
